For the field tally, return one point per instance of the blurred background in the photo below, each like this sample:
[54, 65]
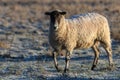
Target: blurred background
[24, 50]
[23, 24]
[25, 13]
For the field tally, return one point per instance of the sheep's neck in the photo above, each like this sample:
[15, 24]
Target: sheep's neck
[61, 32]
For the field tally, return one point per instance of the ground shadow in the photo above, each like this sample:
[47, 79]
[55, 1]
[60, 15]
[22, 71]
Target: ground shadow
[4, 58]
[7, 57]
[45, 57]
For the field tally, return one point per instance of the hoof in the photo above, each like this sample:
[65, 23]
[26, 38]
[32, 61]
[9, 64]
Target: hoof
[65, 74]
[66, 70]
[111, 67]
[59, 69]
[93, 67]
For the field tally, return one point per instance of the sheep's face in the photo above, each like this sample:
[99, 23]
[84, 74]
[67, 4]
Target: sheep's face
[55, 18]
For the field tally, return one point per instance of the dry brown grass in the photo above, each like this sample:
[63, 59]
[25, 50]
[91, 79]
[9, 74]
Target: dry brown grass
[33, 10]
[4, 45]
[116, 33]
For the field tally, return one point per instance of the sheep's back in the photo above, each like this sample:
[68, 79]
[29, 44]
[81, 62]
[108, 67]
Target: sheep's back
[89, 27]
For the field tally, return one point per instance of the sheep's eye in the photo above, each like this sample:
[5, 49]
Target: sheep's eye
[58, 14]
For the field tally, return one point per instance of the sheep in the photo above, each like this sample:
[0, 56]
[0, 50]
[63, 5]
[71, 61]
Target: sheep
[79, 32]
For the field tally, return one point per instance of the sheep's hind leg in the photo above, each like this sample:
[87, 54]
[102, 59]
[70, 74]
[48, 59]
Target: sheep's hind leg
[109, 53]
[55, 62]
[107, 47]
[96, 52]
[67, 60]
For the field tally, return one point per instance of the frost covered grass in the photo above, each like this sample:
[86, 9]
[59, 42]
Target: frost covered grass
[29, 58]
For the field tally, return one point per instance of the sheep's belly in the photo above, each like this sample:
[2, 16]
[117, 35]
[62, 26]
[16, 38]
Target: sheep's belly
[84, 45]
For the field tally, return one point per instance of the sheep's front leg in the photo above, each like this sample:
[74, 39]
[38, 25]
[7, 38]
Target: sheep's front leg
[55, 61]
[96, 52]
[67, 60]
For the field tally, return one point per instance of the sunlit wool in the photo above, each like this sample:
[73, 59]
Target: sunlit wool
[81, 31]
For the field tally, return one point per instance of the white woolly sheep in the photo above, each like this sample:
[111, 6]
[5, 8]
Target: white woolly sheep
[83, 31]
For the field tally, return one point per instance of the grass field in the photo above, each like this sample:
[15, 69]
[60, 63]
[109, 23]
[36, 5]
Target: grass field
[24, 11]
[24, 50]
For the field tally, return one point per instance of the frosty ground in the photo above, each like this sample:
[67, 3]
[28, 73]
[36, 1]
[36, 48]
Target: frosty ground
[29, 58]
[24, 50]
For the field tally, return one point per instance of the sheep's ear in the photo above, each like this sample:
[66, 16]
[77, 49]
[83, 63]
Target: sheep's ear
[47, 13]
[63, 13]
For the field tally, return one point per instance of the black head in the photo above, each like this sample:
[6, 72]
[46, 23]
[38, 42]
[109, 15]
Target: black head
[55, 18]
[55, 12]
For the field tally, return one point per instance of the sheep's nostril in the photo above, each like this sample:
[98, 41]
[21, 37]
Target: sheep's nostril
[55, 27]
